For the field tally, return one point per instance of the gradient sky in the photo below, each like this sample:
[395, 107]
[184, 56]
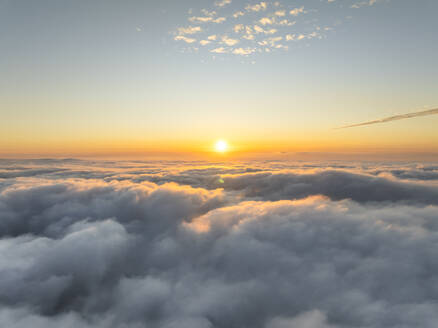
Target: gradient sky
[131, 76]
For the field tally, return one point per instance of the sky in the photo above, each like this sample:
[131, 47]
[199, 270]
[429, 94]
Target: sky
[138, 77]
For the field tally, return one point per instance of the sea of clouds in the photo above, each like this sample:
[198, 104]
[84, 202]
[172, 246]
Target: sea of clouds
[262, 244]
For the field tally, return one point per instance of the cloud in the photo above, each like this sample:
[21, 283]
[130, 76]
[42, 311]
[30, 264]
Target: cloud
[219, 20]
[243, 51]
[238, 14]
[254, 20]
[184, 38]
[222, 3]
[189, 30]
[394, 118]
[363, 3]
[297, 11]
[229, 41]
[238, 28]
[200, 19]
[220, 50]
[263, 244]
[265, 21]
[312, 319]
[257, 7]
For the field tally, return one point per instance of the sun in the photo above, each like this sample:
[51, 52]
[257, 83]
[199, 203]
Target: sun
[221, 146]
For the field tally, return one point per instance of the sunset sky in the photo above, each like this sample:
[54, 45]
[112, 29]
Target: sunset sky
[137, 77]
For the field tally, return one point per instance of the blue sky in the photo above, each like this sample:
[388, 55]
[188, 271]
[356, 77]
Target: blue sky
[78, 70]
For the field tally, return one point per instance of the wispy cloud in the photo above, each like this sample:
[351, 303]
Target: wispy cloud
[229, 41]
[297, 11]
[220, 50]
[363, 3]
[222, 3]
[184, 38]
[257, 7]
[189, 30]
[394, 118]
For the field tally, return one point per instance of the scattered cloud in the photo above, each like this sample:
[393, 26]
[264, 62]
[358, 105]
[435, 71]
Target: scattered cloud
[394, 118]
[252, 22]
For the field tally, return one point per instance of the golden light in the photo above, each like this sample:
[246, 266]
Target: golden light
[221, 146]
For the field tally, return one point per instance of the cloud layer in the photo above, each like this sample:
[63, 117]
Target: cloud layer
[182, 244]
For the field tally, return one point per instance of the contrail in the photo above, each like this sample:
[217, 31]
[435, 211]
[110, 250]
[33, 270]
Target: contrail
[393, 118]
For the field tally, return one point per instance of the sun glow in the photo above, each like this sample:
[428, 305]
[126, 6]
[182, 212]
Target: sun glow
[221, 146]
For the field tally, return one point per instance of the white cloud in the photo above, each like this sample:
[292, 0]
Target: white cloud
[297, 11]
[265, 21]
[269, 18]
[243, 51]
[364, 3]
[222, 3]
[184, 38]
[259, 29]
[208, 13]
[238, 14]
[220, 50]
[200, 19]
[212, 37]
[238, 28]
[189, 30]
[229, 41]
[257, 7]
[219, 20]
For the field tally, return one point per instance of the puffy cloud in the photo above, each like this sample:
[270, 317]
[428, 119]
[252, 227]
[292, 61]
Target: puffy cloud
[257, 244]
[184, 38]
[238, 14]
[265, 21]
[189, 30]
[238, 28]
[297, 11]
[220, 50]
[229, 41]
[243, 51]
[257, 7]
